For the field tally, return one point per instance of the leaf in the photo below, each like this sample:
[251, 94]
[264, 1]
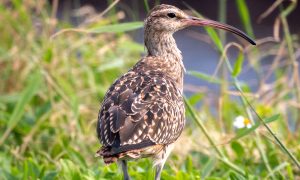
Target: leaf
[115, 28]
[238, 65]
[208, 168]
[42, 109]
[214, 36]
[205, 77]
[131, 46]
[48, 55]
[195, 98]
[9, 98]
[118, 63]
[50, 175]
[289, 171]
[272, 118]
[146, 6]
[238, 149]
[77, 157]
[235, 176]
[246, 131]
[189, 164]
[277, 169]
[69, 170]
[25, 98]
[245, 16]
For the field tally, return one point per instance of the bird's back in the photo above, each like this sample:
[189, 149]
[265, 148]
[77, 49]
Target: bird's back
[142, 112]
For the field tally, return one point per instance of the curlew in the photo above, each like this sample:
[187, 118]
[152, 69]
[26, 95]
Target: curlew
[143, 113]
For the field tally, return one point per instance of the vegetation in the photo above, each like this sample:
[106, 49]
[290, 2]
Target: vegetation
[52, 84]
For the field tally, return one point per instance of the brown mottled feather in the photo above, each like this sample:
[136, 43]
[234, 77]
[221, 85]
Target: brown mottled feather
[141, 106]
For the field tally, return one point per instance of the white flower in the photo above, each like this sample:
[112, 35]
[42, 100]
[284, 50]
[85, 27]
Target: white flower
[242, 122]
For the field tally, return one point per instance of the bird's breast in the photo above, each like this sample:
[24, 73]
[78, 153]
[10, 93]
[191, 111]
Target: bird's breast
[168, 65]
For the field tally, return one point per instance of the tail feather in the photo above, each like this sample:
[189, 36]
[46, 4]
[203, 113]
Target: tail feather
[107, 155]
[111, 155]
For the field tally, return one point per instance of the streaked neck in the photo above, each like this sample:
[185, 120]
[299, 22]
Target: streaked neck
[163, 46]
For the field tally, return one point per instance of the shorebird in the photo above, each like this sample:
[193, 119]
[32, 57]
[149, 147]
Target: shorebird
[143, 113]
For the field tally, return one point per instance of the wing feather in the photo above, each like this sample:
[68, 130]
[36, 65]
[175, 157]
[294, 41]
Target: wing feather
[140, 107]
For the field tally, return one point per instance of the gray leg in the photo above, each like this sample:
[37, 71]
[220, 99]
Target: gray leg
[124, 169]
[160, 160]
[158, 171]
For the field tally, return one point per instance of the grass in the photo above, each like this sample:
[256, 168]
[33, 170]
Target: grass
[52, 84]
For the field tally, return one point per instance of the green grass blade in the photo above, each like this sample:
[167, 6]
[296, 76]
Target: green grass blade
[220, 153]
[215, 38]
[278, 169]
[25, 98]
[195, 98]
[208, 168]
[289, 171]
[272, 118]
[245, 16]
[111, 65]
[116, 28]
[237, 68]
[283, 147]
[210, 31]
[19, 110]
[205, 77]
[146, 5]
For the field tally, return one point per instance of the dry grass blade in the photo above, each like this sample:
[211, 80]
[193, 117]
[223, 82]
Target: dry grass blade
[99, 16]
[269, 10]
[110, 28]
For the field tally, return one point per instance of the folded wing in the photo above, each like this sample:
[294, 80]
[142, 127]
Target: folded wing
[140, 110]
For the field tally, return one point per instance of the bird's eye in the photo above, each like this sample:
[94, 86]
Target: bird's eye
[171, 15]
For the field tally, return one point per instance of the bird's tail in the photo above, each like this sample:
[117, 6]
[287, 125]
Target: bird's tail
[110, 156]
[107, 155]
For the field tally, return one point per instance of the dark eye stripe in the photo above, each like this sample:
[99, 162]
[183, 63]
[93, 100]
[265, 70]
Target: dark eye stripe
[171, 15]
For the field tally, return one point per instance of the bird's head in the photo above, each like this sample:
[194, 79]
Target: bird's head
[169, 19]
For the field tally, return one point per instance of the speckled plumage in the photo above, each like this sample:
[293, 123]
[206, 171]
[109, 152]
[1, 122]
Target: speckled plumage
[143, 111]
[142, 114]
[144, 107]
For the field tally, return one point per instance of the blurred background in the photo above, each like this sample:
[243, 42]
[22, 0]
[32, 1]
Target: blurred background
[188, 42]
[59, 57]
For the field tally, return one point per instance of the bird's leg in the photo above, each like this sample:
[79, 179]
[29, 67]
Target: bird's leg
[125, 169]
[160, 160]
[158, 171]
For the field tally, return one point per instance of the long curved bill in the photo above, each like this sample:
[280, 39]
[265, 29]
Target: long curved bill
[193, 21]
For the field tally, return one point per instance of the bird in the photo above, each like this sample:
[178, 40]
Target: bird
[143, 114]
